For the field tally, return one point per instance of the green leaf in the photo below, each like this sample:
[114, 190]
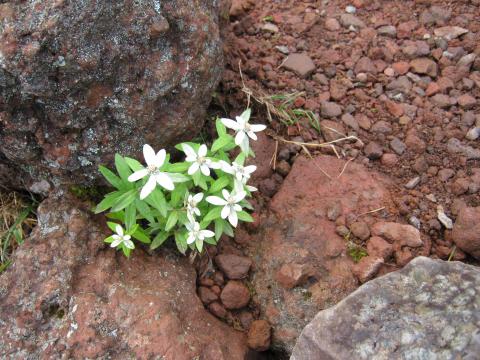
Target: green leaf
[181, 241]
[227, 229]
[108, 240]
[132, 229]
[210, 241]
[108, 201]
[133, 164]
[123, 201]
[171, 221]
[212, 214]
[178, 167]
[178, 195]
[112, 226]
[157, 200]
[244, 216]
[221, 142]
[218, 228]
[159, 239]
[111, 177]
[199, 245]
[221, 129]
[199, 180]
[130, 216]
[144, 210]
[126, 251]
[122, 167]
[219, 184]
[240, 159]
[179, 178]
[140, 235]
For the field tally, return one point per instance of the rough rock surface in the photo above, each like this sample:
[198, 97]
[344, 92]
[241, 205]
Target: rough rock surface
[301, 264]
[82, 80]
[427, 310]
[66, 296]
[466, 231]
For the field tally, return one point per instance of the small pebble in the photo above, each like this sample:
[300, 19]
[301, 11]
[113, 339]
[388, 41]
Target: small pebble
[283, 49]
[431, 197]
[443, 218]
[473, 133]
[412, 183]
[414, 221]
[351, 9]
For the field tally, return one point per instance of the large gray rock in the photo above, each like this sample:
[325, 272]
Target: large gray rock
[428, 310]
[82, 80]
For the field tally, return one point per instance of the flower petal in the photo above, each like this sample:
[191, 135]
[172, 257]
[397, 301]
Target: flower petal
[202, 151]
[251, 188]
[193, 168]
[149, 154]
[116, 242]
[207, 233]
[188, 150]
[229, 123]
[197, 197]
[215, 200]
[127, 237]
[225, 194]
[128, 244]
[164, 180]
[233, 218]
[190, 239]
[205, 170]
[225, 212]
[252, 135]
[119, 230]
[214, 165]
[196, 226]
[226, 167]
[137, 175]
[189, 226]
[239, 137]
[197, 211]
[160, 158]
[239, 196]
[148, 187]
[241, 120]
[257, 127]
[237, 208]
[249, 169]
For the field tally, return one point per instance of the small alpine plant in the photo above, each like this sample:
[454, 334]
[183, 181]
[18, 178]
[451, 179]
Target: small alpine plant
[194, 201]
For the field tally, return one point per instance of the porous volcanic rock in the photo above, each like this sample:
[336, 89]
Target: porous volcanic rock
[68, 296]
[299, 232]
[428, 309]
[82, 80]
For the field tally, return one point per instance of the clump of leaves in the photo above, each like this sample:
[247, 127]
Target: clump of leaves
[194, 201]
[16, 221]
[356, 252]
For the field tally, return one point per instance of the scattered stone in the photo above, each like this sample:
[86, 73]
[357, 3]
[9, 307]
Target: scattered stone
[382, 127]
[394, 108]
[234, 266]
[350, 121]
[413, 183]
[450, 32]
[467, 101]
[332, 24]
[283, 49]
[350, 20]
[292, 275]
[235, 295]
[334, 211]
[218, 310]
[365, 65]
[424, 66]
[270, 27]
[299, 63]
[398, 146]
[387, 30]
[466, 231]
[446, 174]
[351, 9]
[332, 130]
[405, 235]
[360, 230]
[283, 168]
[414, 221]
[402, 314]
[206, 295]
[367, 268]
[373, 150]
[455, 146]
[473, 133]
[443, 218]
[442, 101]
[259, 335]
[377, 246]
[330, 109]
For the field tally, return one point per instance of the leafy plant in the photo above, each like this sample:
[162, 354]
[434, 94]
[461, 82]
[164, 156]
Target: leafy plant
[194, 201]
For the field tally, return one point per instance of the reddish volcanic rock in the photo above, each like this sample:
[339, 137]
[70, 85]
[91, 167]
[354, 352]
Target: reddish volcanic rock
[68, 295]
[234, 266]
[299, 232]
[235, 295]
[259, 335]
[466, 231]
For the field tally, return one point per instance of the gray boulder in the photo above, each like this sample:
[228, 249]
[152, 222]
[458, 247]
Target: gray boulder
[82, 80]
[428, 310]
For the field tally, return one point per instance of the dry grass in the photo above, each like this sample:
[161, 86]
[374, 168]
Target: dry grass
[17, 219]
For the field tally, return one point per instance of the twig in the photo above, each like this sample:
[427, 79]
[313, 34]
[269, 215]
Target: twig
[274, 157]
[454, 249]
[371, 211]
[344, 167]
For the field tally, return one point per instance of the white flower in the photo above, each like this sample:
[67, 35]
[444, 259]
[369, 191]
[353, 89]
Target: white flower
[192, 209]
[241, 173]
[243, 129]
[195, 235]
[154, 163]
[229, 203]
[198, 160]
[120, 238]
